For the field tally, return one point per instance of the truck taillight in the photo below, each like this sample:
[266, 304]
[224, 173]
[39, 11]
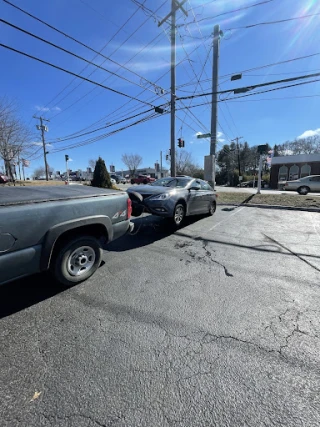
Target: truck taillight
[129, 208]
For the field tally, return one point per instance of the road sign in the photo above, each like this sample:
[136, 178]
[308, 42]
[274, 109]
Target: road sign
[204, 135]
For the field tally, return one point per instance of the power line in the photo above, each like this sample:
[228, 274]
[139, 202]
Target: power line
[247, 88]
[103, 127]
[140, 93]
[277, 99]
[140, 26]
[273, 22]
[255, 93]
[99, 137]
[259, 68]
[68, 52]
[230, 11]
[73, 74]
[83, 44]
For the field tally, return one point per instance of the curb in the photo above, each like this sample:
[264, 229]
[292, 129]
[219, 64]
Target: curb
[290, 208]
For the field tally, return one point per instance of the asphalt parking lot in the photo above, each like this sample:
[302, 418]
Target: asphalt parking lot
[216, 324]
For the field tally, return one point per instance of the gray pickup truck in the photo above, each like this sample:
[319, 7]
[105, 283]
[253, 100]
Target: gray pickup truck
[63, 229]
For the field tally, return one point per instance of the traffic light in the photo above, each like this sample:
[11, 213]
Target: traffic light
[167, 156]
[66, 157]
[180, 142]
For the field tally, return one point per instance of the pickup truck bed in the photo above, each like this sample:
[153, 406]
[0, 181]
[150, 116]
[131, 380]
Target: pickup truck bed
[61, 228]
[25, 195]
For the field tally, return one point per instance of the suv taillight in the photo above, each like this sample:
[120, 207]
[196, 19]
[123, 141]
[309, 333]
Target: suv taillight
[129, 208]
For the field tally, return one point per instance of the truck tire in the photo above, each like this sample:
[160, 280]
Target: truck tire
[77, 260]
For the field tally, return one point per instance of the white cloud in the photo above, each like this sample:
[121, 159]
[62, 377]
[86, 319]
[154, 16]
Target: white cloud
[43, 109]
[46, 109]
[309, 133]
[39, 144]
[219, 137]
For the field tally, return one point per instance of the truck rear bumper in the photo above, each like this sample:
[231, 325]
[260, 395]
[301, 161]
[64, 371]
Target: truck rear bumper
[122, 228]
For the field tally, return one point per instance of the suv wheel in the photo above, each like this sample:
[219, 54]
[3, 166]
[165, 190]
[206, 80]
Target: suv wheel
[303, 190]
[77, 260]
[132, 181]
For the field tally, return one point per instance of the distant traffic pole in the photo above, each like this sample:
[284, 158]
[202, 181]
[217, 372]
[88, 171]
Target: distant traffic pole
[259, 176]
[160, 164]
[67, 168]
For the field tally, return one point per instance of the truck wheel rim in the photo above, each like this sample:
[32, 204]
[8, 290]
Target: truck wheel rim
[178, 216]
[81, 261]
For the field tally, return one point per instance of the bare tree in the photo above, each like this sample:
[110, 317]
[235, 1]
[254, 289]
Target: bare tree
[132, 161]
[40, 172]
[14, 135]
[186, 165]
[92, 163]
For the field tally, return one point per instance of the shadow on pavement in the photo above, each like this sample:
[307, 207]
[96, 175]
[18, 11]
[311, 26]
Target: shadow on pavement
[20, 294]
[276, 247]
[149, 229]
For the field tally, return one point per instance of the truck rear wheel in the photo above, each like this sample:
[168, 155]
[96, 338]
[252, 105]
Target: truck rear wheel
[77, 260]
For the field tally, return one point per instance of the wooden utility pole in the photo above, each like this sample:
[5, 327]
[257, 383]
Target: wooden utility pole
[215, 77]
[43, 128]
[175, 5]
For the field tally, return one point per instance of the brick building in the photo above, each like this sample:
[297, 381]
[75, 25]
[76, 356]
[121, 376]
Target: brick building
[287, 168]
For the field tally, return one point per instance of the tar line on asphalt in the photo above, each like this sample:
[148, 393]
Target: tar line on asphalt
[225, 220]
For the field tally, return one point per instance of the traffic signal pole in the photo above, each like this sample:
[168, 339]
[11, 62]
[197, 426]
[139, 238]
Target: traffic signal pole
[67, 158]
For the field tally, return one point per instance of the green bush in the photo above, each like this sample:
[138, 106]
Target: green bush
[101, 176]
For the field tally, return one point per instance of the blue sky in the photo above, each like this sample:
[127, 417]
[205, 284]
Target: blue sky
[71, 107]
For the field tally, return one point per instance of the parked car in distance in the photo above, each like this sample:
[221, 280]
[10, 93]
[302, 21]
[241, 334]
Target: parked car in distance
[250, 183]
[63, 229]
[174, 198]
[304, 185]
[113, 181]
[142, 179]
[4, 179]
[116, 177]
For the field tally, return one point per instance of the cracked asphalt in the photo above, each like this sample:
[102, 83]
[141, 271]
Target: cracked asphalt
[216, 324]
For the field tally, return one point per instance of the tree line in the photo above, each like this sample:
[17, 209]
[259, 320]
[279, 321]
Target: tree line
[233, 160]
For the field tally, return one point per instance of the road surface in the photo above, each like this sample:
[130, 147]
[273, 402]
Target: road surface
[216, 324]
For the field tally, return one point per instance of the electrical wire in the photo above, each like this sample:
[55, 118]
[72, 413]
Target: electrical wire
[128, 38]
[85, 45]
[69, 52]
[128, 102]
[280, 21]
[230, 11]
[74, 74]
[256, 93]
[103, 127]
[247, 88]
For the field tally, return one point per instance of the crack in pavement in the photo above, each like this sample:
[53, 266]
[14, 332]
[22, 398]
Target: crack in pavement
[109, 423]
[207, 255]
